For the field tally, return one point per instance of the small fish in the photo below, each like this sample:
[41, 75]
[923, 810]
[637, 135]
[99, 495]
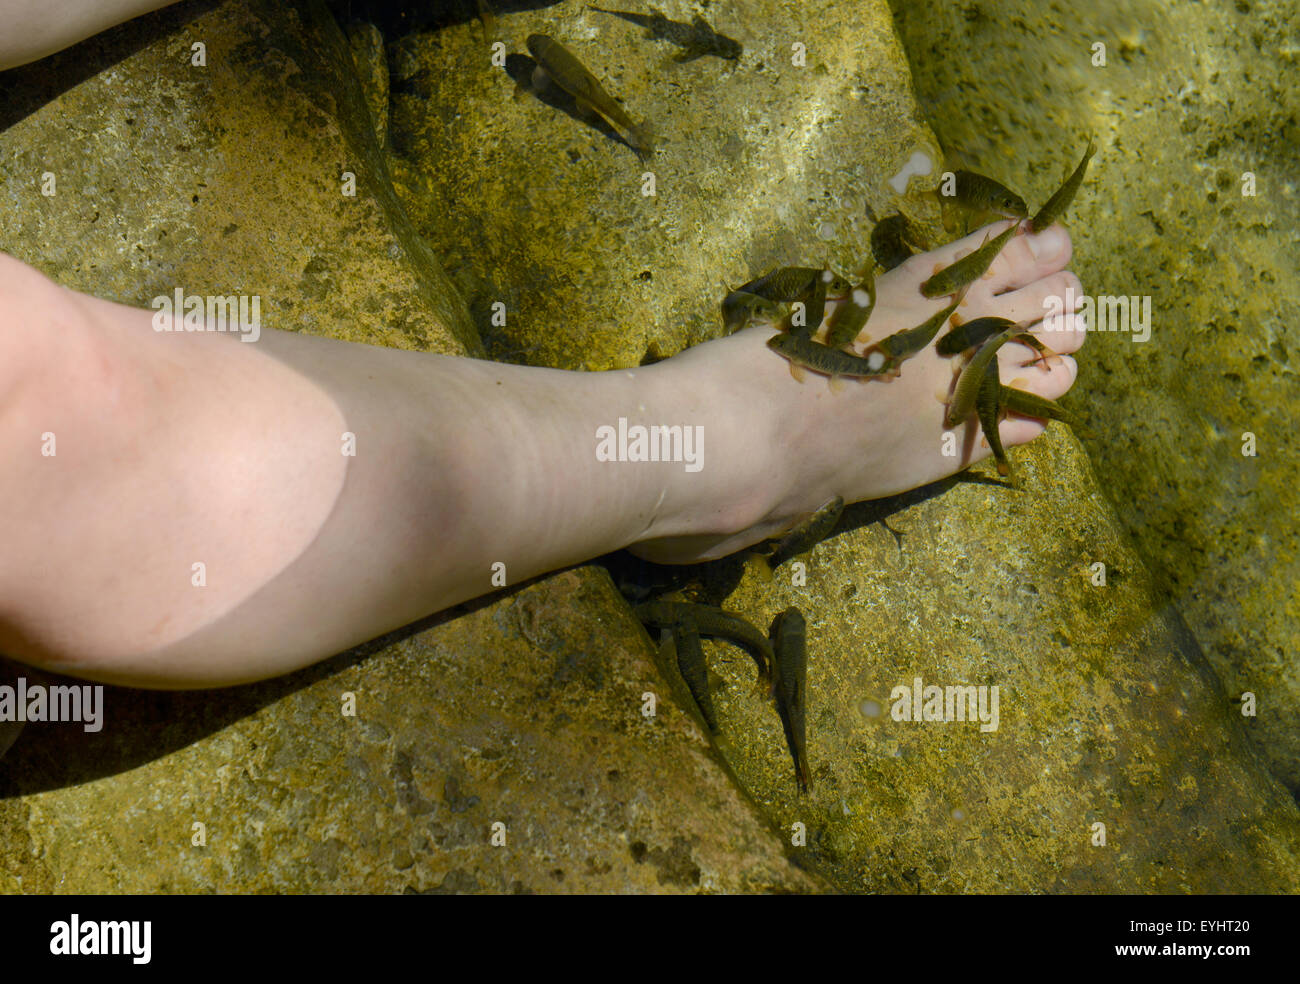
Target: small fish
[971, 334]
[712, 622]
[807, 534]
[972, 374]
[804, 353]
[696, 39]
[1028, 404]
[690, 664]
[988, 408]
[558, 64]
[969, 268]
[1060, 201]
[741, 308]
[810, 308]
[893, 240]
[982, 194]
[853, 314]
[789, 640]
[786, 284]
[902, 345]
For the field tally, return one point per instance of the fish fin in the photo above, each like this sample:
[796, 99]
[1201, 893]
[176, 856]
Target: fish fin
[796, 372]
[540, 78]
[941, 396]
[836, 384]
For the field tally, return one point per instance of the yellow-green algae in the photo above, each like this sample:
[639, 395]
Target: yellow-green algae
[227, 178]
[1193, 96]
[758, 164]
[526, 712]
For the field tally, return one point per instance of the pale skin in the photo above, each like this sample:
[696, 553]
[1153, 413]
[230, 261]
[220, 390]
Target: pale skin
[180, 448]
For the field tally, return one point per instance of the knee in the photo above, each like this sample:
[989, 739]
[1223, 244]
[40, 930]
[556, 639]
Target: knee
[28, 299]
[50, 352]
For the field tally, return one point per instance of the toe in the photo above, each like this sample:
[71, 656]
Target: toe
[1036, 300]
[1015, 429]
[1052, 383]
[1029, 258]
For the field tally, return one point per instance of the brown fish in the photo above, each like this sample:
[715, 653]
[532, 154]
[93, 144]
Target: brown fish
[902, 345]
[969, 268]
[982, 194]
[713, 622]
[789, 640]
[853, 314]
[1060, 201]
[804, 353]
[972, 376]
[973, 333]
[807, 534]
[988, 408]
[562, 67]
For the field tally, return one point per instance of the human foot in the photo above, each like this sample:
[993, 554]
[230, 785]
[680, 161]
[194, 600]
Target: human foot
[864, 439]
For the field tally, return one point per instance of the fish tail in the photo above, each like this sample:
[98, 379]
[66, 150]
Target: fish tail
[801, 775]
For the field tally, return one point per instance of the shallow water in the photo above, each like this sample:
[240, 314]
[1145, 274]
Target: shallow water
[1120, 710]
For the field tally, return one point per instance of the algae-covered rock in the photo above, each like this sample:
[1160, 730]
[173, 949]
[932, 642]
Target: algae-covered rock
[504, 750]
[599, 260]
[534, 711]
[226, 177]
[1111, 761]
[367, 43]
[1190, 202]
[1115, 740]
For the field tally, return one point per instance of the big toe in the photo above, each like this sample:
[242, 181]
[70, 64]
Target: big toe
[1028, 258]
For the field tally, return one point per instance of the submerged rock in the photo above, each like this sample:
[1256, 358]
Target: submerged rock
[528, 710]
[600, 261]
[1111, 760]
[1190, 205]
[226, 177]
[1115, 739]
[500, 750]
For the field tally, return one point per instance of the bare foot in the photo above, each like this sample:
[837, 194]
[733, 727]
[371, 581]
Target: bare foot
[865, 439]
